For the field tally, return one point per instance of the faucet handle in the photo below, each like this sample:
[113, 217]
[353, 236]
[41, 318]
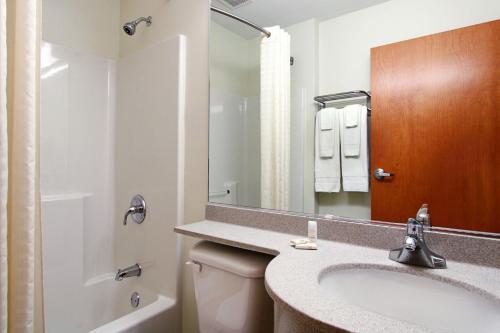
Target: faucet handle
[410, 243]
[137, 210]
[423, 216]
[414, 229]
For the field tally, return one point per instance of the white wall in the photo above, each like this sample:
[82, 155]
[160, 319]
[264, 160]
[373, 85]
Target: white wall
[90, 25]
[234, 117]
[149, 160]
[344, 56]
[345, 41]
[190, 18]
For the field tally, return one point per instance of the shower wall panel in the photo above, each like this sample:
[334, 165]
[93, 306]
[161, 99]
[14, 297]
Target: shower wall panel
[150, 159]
[76, 142]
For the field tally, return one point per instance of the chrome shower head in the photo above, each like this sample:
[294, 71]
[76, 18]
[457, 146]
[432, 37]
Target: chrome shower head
[129, 27]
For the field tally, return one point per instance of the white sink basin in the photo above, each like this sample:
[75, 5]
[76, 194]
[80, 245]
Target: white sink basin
[436, 305]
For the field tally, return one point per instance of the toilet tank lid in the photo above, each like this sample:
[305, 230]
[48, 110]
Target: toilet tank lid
[245, 263]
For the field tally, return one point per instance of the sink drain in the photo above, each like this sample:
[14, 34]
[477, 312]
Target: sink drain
[135, 299]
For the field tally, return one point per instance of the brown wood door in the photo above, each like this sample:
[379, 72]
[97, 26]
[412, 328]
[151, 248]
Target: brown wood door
[436, 125]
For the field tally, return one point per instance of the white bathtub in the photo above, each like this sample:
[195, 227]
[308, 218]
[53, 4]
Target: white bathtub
[159, 316]
[74, 303]
[110, 309]
[103, 306]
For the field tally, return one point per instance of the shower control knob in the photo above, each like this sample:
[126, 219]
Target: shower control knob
[137, 210]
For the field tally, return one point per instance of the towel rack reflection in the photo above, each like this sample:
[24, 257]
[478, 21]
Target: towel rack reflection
[324, 99]
[219, 193]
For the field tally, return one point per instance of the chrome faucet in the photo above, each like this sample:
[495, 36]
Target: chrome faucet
[134, 270]
[415, 250]
[137, 210]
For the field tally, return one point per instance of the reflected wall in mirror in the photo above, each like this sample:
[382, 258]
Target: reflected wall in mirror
[288, 133]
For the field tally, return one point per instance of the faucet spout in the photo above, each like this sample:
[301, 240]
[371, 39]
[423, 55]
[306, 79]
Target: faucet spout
[134, 270]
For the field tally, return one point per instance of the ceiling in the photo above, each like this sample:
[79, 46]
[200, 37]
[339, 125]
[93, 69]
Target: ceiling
[266, 13]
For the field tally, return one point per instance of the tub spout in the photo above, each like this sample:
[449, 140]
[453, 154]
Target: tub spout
[134, 270]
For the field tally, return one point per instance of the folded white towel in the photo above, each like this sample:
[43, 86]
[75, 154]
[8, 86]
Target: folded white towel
[326, 118]
[352, 118]
[327, 169]
[355, 168]
[351, 130]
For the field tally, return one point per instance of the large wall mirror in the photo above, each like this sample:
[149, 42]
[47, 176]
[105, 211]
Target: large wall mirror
[364, 109]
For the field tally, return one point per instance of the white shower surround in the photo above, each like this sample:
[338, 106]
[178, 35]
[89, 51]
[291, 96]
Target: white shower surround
[234, 118]
[84, 239]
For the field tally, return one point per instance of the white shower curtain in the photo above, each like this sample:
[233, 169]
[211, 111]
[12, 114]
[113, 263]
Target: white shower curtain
[20, 258]
[275, 119]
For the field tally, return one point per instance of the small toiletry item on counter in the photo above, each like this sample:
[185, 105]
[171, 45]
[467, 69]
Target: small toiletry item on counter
[308, 243]
[312, 231]
[307, 246]
[298, 241]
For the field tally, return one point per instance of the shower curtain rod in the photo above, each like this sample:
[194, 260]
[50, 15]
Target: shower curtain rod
[220, 11]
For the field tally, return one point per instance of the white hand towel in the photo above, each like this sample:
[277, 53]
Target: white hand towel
[352, 118]
[327, 169]
[326, 133]
[326, 117]
[355, 168]
[351, 130]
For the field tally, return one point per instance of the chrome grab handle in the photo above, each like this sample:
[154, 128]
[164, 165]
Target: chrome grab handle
[380, 174]
[137, 210]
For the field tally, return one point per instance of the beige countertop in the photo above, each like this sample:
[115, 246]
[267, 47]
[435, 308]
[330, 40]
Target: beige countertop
[292, 278]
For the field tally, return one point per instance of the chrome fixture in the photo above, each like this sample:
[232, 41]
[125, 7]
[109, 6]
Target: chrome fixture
[137, 210]
[380, 174]
[129, 27]
[135, 298]
[134, 270]
[415, 251]
[219, 193]
[324, 99]
[253, 25]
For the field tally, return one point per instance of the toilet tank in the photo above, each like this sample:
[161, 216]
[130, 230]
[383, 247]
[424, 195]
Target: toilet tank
[229, 289]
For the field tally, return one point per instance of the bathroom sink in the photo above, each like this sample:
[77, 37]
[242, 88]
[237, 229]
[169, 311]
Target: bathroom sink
[438, 305]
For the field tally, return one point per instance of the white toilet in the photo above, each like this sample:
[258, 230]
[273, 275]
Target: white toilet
[229, 287]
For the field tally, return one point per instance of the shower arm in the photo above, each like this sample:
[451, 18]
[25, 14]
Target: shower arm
[143, 19]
